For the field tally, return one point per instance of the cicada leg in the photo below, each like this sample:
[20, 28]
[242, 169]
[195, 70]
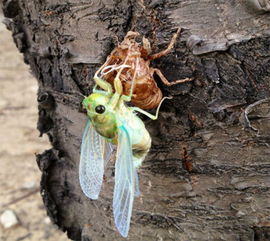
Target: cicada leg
[104, 85]
[107, 88]
[117, 82]
[119, 87]
[117, 95]
[166, 82]
[168, 49]
[127, 98]
[153, 117]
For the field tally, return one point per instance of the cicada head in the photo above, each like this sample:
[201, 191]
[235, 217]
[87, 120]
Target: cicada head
[102, 116]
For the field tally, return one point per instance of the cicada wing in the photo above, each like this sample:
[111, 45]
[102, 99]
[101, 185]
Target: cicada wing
[137, 186]
[108, 149]
[124, 183]
[91, 167]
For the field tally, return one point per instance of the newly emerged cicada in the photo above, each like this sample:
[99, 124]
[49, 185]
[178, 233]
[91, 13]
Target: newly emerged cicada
[111, 122]
[146, 93]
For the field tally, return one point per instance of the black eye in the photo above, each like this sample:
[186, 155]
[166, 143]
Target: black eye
[100, 109]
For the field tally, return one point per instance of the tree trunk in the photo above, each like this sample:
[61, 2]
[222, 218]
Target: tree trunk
[207, 174]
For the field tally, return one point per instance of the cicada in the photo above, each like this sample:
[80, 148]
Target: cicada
[146, 93]
[112, 123]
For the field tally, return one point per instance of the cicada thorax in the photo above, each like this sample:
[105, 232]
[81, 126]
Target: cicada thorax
[146, 93]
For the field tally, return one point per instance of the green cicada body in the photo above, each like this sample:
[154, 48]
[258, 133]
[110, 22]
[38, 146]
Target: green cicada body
[111, 122]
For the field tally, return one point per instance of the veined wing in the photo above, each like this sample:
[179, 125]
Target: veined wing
[137, 186]
[94, 152]
[108, 149]
[124, 183]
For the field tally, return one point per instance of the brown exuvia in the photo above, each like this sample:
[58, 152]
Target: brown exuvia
[146, 93]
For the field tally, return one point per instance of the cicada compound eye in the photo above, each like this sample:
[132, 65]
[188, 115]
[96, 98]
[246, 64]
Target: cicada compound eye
[100, 109]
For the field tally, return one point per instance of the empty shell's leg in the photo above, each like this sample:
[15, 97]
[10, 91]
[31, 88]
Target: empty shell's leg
[166, 82]
[168, 49]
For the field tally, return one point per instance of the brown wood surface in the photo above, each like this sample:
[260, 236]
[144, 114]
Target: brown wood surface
[207, 174]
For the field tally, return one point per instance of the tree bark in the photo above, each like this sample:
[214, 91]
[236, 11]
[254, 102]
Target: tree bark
[207, 174]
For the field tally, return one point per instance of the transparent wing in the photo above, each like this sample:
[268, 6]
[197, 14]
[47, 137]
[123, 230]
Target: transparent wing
[124, 183]
[137, 186]
[108, 149]
[94, 152]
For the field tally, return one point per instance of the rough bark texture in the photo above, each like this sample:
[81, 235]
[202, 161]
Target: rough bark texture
[217, 126]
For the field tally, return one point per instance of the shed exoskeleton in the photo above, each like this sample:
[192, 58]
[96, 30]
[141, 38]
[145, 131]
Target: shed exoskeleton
[146, 94]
